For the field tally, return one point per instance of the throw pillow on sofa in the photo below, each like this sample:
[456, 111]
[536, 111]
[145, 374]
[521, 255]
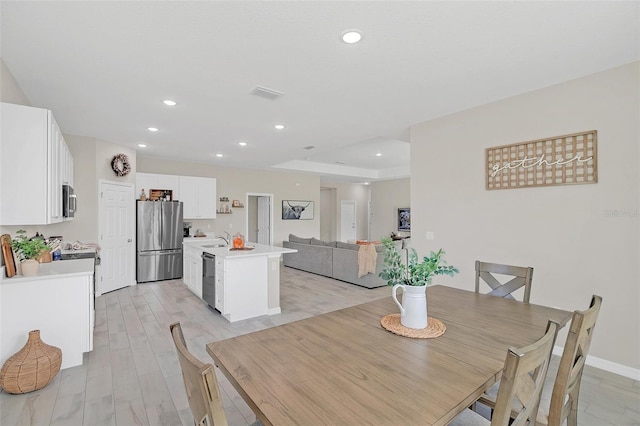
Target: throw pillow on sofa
[317, 242]
[294, 239]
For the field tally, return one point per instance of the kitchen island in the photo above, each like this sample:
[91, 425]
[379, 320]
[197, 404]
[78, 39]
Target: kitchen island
[247, 282]
[58, 302]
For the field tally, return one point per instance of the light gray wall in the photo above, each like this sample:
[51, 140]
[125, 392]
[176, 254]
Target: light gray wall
[569, 234]
[328, 214]
[361, 194]
[9, 90]
[236, 183]
[386, 197]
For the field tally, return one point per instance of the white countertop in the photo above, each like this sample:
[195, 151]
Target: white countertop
[258, 249]
[57, 269]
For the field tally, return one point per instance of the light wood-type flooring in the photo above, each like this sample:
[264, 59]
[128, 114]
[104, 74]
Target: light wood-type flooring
[132, 377]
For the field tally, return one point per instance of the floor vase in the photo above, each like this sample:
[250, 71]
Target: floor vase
[32, 367]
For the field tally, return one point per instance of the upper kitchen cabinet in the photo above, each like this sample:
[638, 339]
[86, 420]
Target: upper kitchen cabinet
[149, 181]
[199, 197]
[35, 162]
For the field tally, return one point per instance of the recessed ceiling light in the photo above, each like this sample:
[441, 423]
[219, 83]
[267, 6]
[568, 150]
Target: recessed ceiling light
[142, 145]
[366, 183]
[242, 143]
[169, 102]
[279, 126]
[152, 129]
[351, 36]
[378, 155]
[219, 155]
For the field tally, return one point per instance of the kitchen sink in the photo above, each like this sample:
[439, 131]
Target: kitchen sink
[214, 245]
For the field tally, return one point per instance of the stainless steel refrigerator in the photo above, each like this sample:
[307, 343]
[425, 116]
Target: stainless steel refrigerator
[159, 240]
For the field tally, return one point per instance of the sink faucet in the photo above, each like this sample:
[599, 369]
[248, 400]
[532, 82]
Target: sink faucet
[227, 239]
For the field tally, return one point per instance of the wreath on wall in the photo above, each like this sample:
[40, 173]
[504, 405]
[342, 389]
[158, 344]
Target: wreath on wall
[120, 165]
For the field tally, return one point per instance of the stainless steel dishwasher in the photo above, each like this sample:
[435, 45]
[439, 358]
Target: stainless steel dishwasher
[209, 279]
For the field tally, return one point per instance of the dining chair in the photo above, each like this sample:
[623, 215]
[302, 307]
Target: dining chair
[201, 385]
[566, 389]
[523, 376]
[522, 277]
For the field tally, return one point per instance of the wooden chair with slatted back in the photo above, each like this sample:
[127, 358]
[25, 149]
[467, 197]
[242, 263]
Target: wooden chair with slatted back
[566, 388]
[522, 380]
[201, 384]
[522, 277]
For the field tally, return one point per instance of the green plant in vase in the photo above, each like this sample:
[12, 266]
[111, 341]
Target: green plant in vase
[413, 272]
[26, 248]
[412, 277]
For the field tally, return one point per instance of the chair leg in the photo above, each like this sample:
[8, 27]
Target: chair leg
[572, 418]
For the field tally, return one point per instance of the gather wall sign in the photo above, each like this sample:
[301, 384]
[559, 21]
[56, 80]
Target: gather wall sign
[559, 160]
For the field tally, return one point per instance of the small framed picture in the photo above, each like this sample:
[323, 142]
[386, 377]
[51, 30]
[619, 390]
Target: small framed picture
[404, 219]
[294, 210]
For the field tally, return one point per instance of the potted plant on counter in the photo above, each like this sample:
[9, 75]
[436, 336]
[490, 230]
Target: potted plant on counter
[27, 251]
[412, 276]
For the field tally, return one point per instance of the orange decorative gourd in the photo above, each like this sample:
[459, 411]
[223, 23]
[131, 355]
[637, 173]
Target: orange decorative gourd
[238, 241]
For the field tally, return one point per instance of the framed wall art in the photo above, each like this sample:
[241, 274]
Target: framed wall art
[297, 210]
[404, 219]
[559, 160]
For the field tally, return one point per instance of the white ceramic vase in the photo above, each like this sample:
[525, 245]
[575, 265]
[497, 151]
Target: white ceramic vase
[29, 267]
[413, 310]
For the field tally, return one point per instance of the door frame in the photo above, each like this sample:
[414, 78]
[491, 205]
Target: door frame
[246, 215]
[132, 231]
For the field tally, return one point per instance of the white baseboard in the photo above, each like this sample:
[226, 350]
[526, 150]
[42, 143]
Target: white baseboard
[603, 364]
[273, 311]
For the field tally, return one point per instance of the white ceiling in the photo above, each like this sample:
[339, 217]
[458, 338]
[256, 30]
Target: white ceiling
[104, 68]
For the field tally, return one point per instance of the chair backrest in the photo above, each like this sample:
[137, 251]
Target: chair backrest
[566, 388]
[522, 380]
[522, 276]
[200, 383]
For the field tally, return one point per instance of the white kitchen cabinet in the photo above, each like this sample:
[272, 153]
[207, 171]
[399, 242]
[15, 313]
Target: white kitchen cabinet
[31, 166]
[67, 166]
[199, 197]
[220, 306]
[58, 301]
[192, 270]
[149, 181]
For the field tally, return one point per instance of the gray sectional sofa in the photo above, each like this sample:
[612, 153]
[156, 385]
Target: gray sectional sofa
[332, 259]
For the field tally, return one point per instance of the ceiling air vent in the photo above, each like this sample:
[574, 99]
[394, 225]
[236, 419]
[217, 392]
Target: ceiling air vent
[308, 147]
[266, 93]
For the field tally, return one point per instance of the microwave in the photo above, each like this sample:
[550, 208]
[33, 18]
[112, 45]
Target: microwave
[69, 201]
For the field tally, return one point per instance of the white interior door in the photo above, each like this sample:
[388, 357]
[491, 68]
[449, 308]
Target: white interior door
[264, 219]
[260, 217]
[347, 220]
[117, 214]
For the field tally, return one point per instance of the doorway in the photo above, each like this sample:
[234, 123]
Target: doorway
[347, 220]
[116, 213]
[259, 218]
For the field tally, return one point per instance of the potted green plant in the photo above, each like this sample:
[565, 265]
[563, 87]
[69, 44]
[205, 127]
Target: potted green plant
[27, 251]
[412, 276]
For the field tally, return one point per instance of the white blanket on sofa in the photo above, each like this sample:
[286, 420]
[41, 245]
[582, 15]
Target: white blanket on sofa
[367, 257]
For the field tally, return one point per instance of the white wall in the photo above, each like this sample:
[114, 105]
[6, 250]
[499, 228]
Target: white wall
[567, 233]
[386, 197]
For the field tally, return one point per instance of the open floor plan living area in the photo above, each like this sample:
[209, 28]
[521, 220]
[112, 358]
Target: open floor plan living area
[319, 213]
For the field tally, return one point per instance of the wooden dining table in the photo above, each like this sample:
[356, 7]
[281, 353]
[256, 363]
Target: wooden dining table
[343, 368]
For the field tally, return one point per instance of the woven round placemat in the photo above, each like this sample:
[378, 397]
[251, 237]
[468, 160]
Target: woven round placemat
[434, 327]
